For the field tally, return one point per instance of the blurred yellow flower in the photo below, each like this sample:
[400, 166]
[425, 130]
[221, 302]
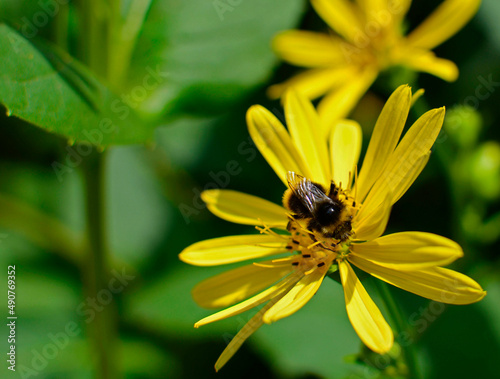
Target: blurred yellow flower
[408, 260]
[368, 39]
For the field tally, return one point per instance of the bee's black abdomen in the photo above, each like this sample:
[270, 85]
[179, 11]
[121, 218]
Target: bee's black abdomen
[299, 210]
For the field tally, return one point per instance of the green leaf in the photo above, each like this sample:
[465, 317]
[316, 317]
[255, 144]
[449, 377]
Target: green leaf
[53, 91]
[210, 52]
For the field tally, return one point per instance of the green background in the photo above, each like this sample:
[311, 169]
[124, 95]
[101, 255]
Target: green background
[192, 125]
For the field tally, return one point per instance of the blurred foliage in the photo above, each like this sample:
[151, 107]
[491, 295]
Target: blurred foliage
[218, 65]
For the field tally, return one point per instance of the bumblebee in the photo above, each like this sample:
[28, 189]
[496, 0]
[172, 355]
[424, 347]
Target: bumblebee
[326, 213]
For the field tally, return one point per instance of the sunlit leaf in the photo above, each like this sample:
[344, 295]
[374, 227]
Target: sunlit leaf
[53, 91]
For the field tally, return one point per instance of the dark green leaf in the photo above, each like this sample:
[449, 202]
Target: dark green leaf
[208, 54]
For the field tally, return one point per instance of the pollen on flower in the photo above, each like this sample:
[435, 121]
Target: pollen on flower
[311, 253]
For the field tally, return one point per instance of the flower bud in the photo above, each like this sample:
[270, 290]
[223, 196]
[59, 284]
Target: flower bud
[485, 170]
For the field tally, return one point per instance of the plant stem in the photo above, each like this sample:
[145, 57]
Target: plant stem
[398, 320]
[101, 327]
[61, 27]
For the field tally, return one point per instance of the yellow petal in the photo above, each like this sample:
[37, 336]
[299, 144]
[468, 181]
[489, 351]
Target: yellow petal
[365, 317]
[314, 82]
[417, 95]
[408, 251]
[244, 209]
[305, 128]
[341, 15]
[238, 284]
[416, 144]
[339, 102]
[386, 13]
[371, 222]
[426, 61]
[373, 8]
[345, 146]
[275, 291]
[245, 332]
[384, 139]
[399, 7]
[444, 22]
[398, 179]
[406, 180]
[274, 143]
[308, 49]
[232, 249]
[407, 161]
[297, 297]
[435, 283]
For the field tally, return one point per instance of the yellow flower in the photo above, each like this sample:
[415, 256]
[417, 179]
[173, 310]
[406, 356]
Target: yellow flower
[368, 40]
[408, 260]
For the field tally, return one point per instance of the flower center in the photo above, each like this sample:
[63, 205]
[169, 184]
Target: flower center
[311, 252]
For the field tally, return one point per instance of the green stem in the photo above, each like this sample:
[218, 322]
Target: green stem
[61, 27]
[102, 328]
[409, 352]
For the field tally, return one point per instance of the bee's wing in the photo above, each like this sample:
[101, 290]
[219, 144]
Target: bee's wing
[307, 191]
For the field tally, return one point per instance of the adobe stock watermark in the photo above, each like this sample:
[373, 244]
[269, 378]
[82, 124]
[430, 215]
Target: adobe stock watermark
[483, 91]
[41, 358]
[371, 29]
[120, 109]
[223, 6]
[31, 26]
[419, 321]
[220, 179]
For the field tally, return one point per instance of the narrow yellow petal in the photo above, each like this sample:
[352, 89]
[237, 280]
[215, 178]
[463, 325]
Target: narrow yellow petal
[387, 14]
[314, 82]
[426, 61]
[408, 160]
[399, 7]
[345, 146]
[408, 251]
[245, 332]
[417, 95]
[416, 144]
[244, 209]
[435, 283]
[398, 180]
[306, 131]
[238, 284]
[297, 297]
[232, 249]
[340, 102]
[444, 22]
[373, 8]
[384, 139]
[341, 15]
[273, 292]
[409, 178]
[371, 222]
[365, 317]
[274, 142]
[308, 49]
